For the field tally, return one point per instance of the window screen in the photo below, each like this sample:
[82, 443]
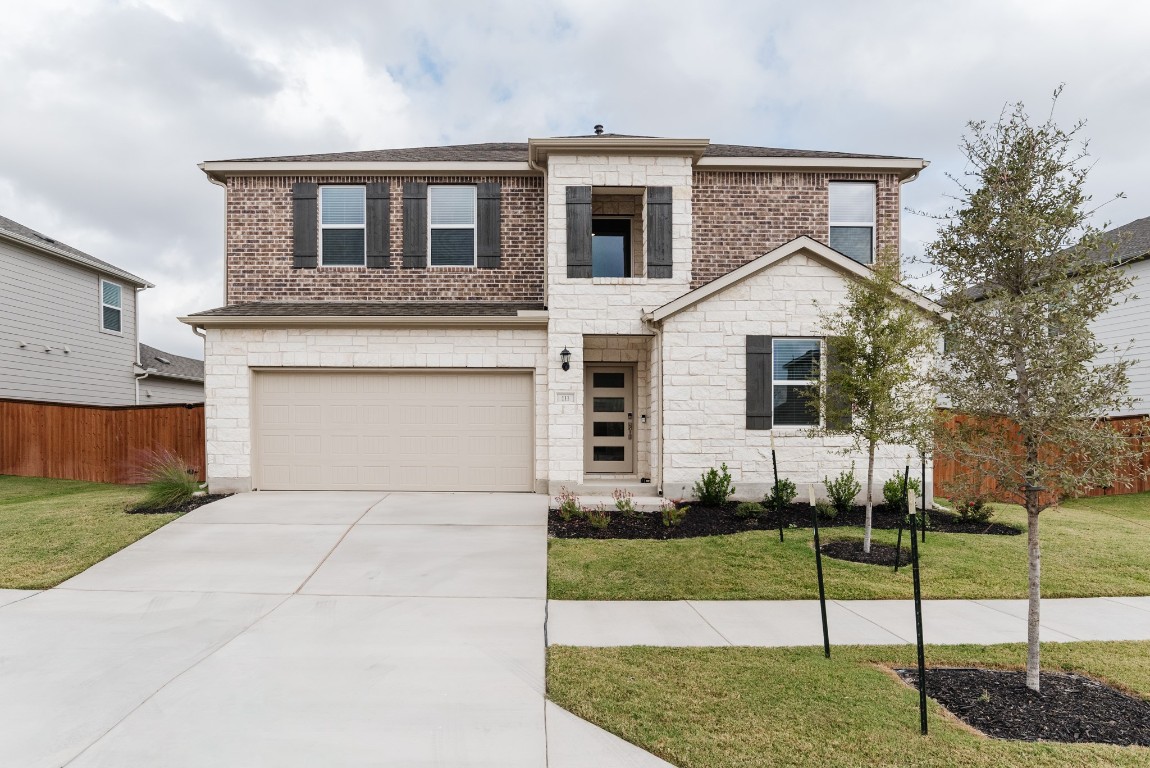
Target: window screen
[451, 214]
[852, 219]
[342, 221]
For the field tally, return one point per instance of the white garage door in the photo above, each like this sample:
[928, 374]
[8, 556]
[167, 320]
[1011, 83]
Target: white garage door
[390, 430]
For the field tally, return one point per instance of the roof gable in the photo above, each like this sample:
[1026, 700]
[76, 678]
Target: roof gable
[17, 232]
[825, 254]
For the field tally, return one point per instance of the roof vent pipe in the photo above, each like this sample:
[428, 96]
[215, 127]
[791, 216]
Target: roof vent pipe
[598, 130]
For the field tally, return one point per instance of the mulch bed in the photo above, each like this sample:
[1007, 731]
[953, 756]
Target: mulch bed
[850, 549]
[1070, 708]
[719, 521]
[179, 509]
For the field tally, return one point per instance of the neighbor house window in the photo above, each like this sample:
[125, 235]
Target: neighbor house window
[610, 247]
[795, 375]
[852, 206]
[111, 307]
[342, 223]
[452, 226]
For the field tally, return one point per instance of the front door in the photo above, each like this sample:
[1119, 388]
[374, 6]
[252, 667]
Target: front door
[609, 420]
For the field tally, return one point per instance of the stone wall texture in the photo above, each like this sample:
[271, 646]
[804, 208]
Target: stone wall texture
[740, 215]
[259, 249]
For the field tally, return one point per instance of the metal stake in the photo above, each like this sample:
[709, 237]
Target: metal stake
[918, 621]
[819, 571]
[898, 544]
[924, 507]
[775, 466]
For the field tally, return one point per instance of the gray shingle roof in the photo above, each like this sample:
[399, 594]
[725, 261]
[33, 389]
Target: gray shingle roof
[171, 366]
[517, 153]
[18, 230]
[1133, 242]
[370, 309]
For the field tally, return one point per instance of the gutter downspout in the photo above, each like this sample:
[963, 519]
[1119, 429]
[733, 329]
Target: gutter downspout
[147, 372]
[658, 329]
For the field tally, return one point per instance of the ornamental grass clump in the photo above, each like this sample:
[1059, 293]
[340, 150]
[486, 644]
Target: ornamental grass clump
[169, 481]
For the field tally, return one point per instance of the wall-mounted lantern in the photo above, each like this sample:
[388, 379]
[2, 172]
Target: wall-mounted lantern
[565, 356]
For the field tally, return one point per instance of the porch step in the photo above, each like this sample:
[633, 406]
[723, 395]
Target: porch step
[642, 503]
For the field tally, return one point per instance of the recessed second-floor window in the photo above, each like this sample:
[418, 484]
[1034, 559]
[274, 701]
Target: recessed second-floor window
[610, 247]
[852, 219]
[111, 307]
[342, 223]
[451, 225]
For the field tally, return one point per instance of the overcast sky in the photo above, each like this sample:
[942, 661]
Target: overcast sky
[108, 106]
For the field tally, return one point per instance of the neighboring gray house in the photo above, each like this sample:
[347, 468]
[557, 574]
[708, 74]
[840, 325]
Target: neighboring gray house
[169, 378]
[1124, 326]
[68, 323]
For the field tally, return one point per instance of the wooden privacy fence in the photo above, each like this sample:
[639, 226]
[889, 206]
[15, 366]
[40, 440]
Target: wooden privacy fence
[1130, 480]
[97, 443]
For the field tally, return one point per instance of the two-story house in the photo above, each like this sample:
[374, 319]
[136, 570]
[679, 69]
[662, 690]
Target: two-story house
[585, 312]
[69, 327]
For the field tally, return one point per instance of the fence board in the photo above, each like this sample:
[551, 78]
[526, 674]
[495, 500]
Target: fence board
[96, 443]
[1130, 480]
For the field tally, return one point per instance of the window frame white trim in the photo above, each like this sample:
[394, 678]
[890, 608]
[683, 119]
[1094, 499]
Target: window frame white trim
[831, 223]
[120, 309]
[474, 227]
[320, 226]
[821, 345]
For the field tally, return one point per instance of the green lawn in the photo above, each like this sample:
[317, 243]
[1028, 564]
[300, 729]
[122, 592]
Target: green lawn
[1090, 547]
[52, 529]
[744, 707]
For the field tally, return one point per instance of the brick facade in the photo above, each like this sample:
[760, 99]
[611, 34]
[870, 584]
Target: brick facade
[259, 249]
[740, 215]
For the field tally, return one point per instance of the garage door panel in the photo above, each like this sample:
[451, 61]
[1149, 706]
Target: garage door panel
[433, 430]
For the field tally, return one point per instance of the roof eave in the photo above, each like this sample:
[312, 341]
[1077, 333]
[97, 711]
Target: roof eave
[905, 167]
[539, 149]
[219, 170]
[104, 269]
[525, 320]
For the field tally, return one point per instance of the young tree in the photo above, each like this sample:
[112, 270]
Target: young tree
[877, 389]
[1024, 275]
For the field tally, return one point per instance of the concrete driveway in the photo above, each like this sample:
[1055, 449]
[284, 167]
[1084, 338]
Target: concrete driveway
[300, 629]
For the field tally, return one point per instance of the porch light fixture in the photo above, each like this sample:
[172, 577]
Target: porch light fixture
[565, 356]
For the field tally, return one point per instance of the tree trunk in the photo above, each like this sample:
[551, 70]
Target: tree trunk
[1034, 556]
[869, 494]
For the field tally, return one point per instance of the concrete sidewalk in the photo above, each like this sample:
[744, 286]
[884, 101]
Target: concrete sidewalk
[851, 622]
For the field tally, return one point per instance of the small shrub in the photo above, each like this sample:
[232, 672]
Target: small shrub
[974, 510]
[825, 510]
[842, 490]
[169, 481]
[714, 487]
[568, 504]
[749, 509]
[894, 491]
[672, 513]
[780, 495]
[624, 501]
[599, 517]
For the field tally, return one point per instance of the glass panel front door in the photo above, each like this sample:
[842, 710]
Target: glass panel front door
[609, 420]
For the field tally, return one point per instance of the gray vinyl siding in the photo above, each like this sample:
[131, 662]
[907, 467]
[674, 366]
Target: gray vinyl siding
[1125, 327]
[154, 390]
[48, 302]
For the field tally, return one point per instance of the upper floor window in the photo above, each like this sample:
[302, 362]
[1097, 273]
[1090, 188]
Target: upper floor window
[610, 247]
[795, 376]
[343, 222]
[852, 219]
[111, 307]
[451, 225]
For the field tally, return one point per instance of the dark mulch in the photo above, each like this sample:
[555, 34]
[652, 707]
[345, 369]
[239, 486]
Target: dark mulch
[179, 509]
[1070, 708]
[850, 549]
[719, 521]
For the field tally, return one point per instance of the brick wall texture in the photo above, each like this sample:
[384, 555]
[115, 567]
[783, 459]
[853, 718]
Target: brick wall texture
[259, 249]
[739, 216]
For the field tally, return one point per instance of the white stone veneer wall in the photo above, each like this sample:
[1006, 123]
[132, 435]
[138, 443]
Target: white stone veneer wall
[231, 353]
[704, 386]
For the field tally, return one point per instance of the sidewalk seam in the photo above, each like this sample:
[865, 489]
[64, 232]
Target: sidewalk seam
[709, 624]
[844, 605]
[339, 541]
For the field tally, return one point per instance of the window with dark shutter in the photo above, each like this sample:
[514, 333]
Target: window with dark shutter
[578, 231]
[305, 219]
[378, 225]
[414, 224]
[838, 407]
[487, 238]
[342, 226]
[796, 368]
[759, 382]
[658, 232]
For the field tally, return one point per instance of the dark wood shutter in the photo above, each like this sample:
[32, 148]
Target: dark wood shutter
[759, 400]
[487, 219]
[414, 224]
[578, 231]
[305, 225]
[658, 232]
[379, 225]
[838, 407]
